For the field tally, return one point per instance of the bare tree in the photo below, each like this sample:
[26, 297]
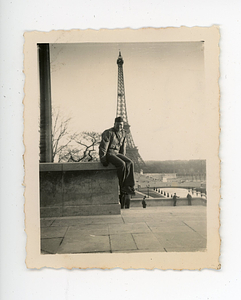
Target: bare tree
[61, 137]
[72, 147]
[88, 142]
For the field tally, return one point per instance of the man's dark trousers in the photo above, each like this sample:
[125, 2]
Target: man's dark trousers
[124, 167]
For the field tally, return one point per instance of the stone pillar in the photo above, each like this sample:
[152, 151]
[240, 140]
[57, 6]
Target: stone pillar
[46, 153]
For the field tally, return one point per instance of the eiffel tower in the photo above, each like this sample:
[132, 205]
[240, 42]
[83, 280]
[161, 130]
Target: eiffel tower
[131, 149]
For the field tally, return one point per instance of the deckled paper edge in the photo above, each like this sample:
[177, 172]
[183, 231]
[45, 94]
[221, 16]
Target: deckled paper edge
[164, 261]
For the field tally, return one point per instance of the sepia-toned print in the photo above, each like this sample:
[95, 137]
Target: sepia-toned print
[122, 127]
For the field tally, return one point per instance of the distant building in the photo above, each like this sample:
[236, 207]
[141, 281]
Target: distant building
[164, 177]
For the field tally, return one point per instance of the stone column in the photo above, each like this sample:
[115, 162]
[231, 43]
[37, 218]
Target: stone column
[46, 153]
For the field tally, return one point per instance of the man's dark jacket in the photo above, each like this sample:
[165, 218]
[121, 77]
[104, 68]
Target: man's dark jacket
[112, 142]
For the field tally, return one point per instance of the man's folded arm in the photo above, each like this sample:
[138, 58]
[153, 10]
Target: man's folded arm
[104, 144]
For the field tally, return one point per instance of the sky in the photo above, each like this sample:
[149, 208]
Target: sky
[164, 90]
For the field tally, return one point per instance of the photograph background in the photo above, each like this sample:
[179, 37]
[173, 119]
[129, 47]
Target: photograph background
[20, 16]
[164, 90]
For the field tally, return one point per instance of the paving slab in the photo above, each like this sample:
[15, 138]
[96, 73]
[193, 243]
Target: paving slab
[138, 220]
[170, 228]
[53, 232]
[147, 241]
[168, 223]
[166, 238]
[105, 219]
[181, 240]
[155, 222]
[197, 226]
[184, 249]
[46, 223]
[59, 222]
[50, 246]
[79, 231]
[187, 236]
[196, 243]
[138, 251]
[191, 220]
[122, 242]
[202, 232]
[128, 228]
[87, 244]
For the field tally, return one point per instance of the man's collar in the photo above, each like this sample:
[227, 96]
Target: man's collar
[116, 130]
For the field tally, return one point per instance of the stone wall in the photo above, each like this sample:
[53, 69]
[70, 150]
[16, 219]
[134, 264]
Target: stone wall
[78, 189]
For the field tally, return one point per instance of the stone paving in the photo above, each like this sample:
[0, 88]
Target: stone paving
[154, 229]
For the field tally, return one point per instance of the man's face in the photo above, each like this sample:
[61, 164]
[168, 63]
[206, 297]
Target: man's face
[119, 126]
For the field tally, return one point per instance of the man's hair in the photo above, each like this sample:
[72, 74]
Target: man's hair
[119, 119]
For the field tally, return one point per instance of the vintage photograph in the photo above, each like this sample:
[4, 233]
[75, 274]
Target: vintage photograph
[127, 148]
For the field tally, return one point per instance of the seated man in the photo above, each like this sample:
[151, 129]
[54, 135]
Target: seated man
[112, 150]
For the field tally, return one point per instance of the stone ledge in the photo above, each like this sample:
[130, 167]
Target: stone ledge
[70, 189]
[83, 210]
[45, 167]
